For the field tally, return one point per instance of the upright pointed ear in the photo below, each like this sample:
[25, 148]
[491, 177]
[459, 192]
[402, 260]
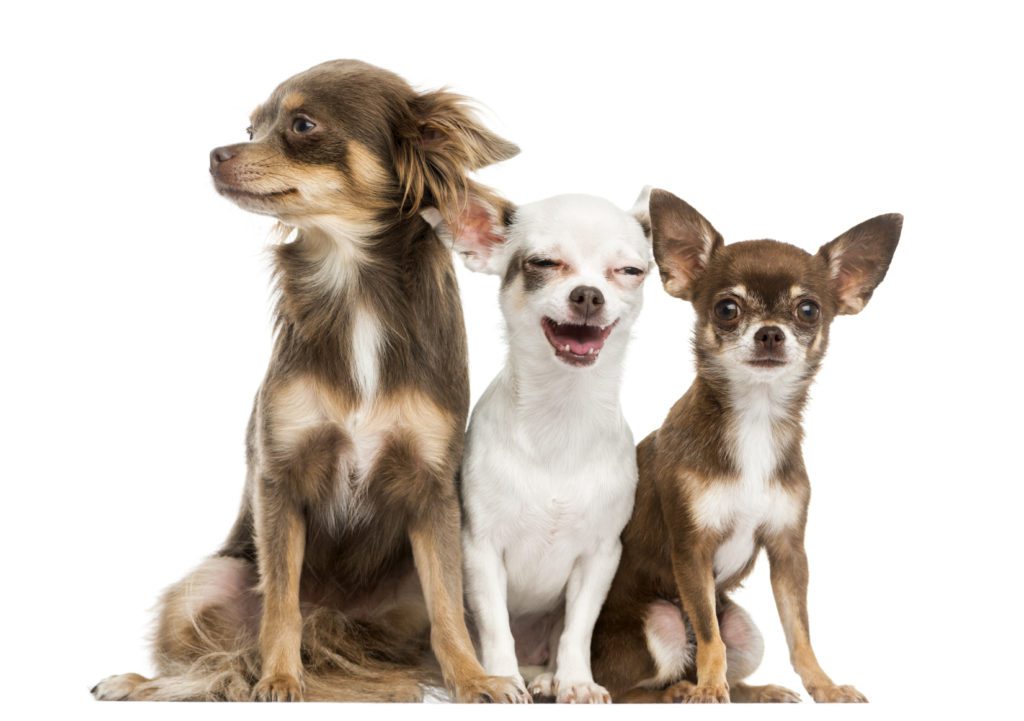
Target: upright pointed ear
[859, 258]
[641, 210]
[439, 145]
[479, 231]
[683, 241]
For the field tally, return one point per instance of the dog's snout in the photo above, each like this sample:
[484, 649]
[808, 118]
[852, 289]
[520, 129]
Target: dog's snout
[586, 298]
[769, 338]
[221, 155]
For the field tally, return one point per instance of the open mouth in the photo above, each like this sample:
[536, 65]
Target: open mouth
[576, 344]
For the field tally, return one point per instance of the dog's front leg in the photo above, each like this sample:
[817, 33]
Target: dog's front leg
[436, 548]
[789, 575]
[281, 543]
[585, 591]
[487, 594]
[692, 567]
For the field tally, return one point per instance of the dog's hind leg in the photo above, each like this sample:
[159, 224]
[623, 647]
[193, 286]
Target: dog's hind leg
[204, 644]
[638, 649]
[744, 649]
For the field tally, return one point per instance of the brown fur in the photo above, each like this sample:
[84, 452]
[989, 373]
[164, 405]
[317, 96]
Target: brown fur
[339, 562]
[667, 552]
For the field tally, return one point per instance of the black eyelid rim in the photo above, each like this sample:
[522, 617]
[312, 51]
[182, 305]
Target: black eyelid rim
[540, 262]
[719, 301]
[813, 301]
[299, 115]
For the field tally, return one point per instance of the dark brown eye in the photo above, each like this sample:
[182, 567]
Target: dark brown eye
[302, 125]
[543, 263]
[249, 130]
[808, 311]
[630, 270]
[727, 310]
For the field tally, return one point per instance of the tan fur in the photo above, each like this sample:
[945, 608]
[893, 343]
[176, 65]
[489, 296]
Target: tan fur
[350, 506]
[727, 460]
[292, 101]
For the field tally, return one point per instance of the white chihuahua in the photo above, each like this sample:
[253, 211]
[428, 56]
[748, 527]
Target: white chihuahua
[549, 471]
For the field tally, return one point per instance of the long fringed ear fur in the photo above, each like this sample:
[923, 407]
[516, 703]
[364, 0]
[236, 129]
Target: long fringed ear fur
[859, 259]
[442, 143]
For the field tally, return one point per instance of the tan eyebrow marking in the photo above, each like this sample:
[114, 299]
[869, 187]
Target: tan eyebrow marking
[292, 101]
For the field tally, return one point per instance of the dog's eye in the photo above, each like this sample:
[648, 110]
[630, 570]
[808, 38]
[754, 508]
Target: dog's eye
[808, 311]
[249, 130]
[630, 270]
[543, 263]
[727, 310]
[302, 125]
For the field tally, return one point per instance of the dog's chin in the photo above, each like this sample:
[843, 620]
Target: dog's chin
[577, 345]
[766, 369]
[263, 202]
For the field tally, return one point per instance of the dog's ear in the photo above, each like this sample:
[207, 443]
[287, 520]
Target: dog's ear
[683, 242]
[859, 258]
[641, 210]
[441, 143]
[479, 231]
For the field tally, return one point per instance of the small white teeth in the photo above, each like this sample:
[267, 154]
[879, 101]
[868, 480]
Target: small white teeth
[590, 351]
[567, 349]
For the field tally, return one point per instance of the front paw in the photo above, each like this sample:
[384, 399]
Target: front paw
[542, 688]
[492, 689]
[581, 692]
[703, 693]
[836, 694]
[279, 687]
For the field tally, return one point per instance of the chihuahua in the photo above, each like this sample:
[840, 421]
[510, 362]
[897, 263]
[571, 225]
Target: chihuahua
[550, 472]
[724, 476]
[346, 548]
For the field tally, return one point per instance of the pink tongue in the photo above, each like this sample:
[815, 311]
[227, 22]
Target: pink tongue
[583, 347]
[579, 342]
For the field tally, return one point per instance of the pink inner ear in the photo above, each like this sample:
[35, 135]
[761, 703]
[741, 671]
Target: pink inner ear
[475, 229]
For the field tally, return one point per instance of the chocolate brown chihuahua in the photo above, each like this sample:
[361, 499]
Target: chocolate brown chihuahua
[346, 549]
[724, 476]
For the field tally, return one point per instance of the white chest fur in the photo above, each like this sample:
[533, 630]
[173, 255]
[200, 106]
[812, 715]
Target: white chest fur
[365, 347]
[545, 493]
[754, 502]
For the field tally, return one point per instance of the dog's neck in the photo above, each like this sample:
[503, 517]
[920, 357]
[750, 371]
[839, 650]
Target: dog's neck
[758, 422]
[557, 400]
[332, 268]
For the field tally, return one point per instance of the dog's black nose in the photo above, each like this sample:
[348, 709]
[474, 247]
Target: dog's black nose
[220, 155]
[769, 338]
[586, 298]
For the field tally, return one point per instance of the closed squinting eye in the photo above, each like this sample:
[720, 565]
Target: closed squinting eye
[630, 270]
[544, 263]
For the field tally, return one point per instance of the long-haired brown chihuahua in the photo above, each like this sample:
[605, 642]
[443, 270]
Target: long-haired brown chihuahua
[724, 476]
[346, 548]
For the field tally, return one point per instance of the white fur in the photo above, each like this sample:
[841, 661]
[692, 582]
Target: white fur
[754, 502]
[549, 472]
[365, 347]
[668, 643]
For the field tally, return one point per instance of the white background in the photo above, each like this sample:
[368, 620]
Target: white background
[137, 312]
